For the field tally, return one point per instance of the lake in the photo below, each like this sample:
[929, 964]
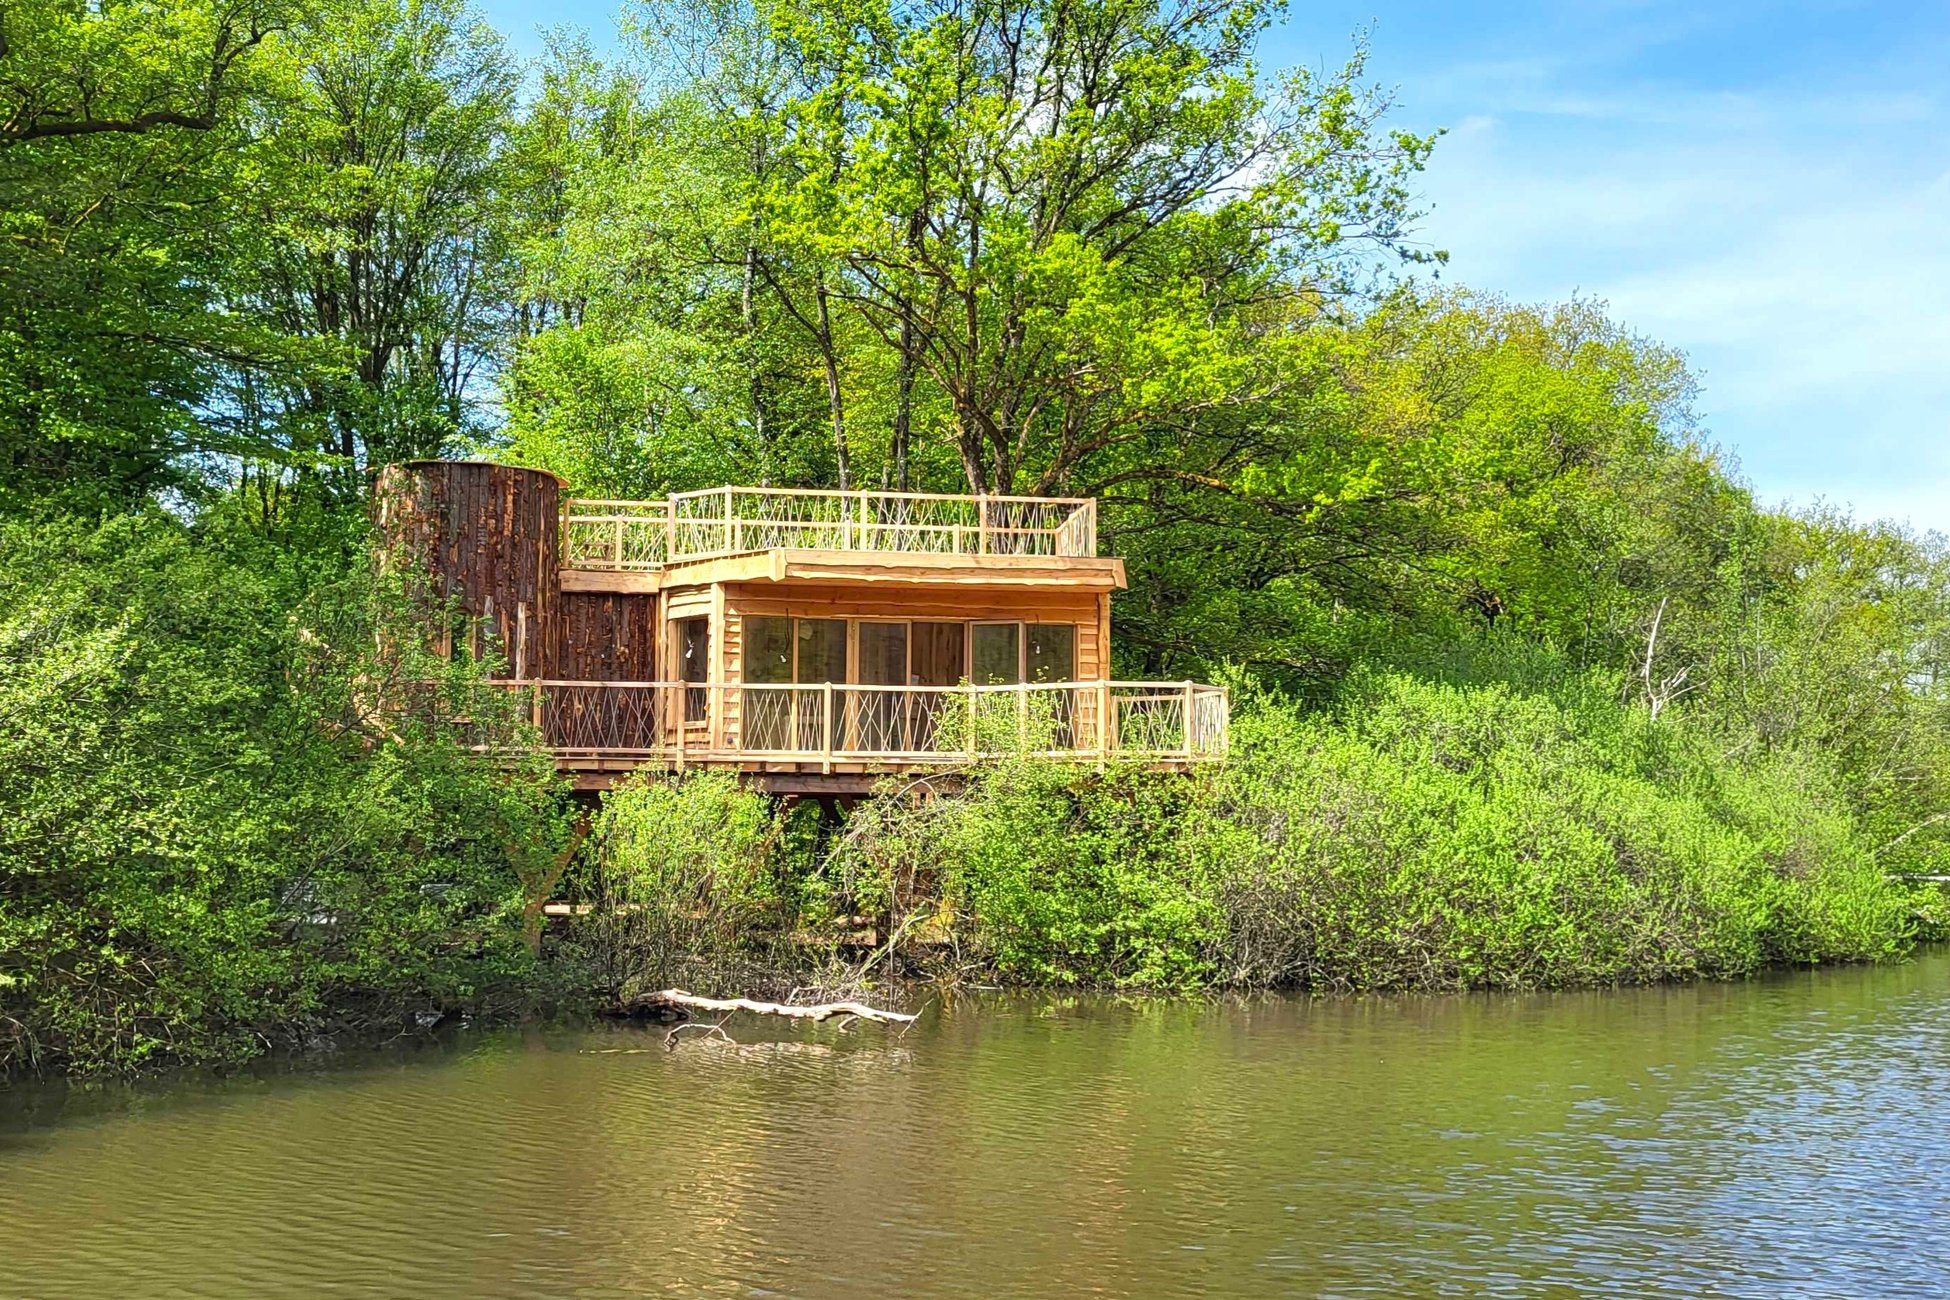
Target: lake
[1786, 1136]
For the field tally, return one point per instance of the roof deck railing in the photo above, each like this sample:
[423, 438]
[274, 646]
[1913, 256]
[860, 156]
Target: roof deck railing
[650, 535]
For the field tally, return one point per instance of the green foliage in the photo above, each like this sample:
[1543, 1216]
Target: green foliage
[1436, 835]
[120, 146]
[1046, 873]
[686, 870]
[212, 833]
[1522, 829]
[850, 240]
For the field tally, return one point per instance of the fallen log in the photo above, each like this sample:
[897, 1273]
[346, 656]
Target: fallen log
[679, 1000]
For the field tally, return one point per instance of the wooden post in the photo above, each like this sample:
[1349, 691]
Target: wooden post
[1188, 722]
[521, 639]
[726, 544]
[1106, 730]
[616, 546]
[535, 710]
[826, 725]
[683, 716]
[982, 504]
[670, 529]
[1022, 716]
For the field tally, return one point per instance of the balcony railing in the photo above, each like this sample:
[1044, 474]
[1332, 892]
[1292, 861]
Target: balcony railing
[677, 723]
[648, 535]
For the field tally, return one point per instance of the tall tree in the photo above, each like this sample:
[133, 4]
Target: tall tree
[381, 238]
[121, 146]
[1076, 220]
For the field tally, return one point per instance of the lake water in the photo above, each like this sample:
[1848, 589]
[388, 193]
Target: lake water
[1789, 1136]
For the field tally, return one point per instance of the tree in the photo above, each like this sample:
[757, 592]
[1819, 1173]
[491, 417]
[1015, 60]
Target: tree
[1438, 466]
[379, 235]
[121, 143]
[1077, 221]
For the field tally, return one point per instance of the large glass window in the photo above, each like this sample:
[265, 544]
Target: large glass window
[883, 654]
[1052, 652]
[877, 720]
[694, 665]
[768, 649]
[996, 649]
[822, 649]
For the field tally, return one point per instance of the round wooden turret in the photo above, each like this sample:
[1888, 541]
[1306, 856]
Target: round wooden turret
[485, 536]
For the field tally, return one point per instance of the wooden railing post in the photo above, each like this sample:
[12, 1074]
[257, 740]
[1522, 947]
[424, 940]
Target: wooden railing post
[1106, 725]
[826, 725]
[1188, 721]
[1022, 716]
[670, 528]
[616, 547]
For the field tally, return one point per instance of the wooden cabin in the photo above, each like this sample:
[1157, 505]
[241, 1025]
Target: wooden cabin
[810, 639]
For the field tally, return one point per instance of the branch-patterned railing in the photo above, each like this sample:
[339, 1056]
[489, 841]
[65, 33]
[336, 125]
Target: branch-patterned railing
[885, 725]
[648, 535]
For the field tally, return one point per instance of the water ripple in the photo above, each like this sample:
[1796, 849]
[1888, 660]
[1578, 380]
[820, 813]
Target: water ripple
[1777, 1138]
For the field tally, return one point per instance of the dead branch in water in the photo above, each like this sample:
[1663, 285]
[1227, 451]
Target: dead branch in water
[710, 1031]
[678, 999]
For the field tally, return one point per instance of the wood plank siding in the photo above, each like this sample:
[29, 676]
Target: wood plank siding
[487, 538]
[602, 644]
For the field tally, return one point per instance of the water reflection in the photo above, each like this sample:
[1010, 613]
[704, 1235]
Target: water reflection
[1773, 1138]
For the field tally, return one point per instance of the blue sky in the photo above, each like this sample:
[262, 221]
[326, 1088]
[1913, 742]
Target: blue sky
[1763, 186]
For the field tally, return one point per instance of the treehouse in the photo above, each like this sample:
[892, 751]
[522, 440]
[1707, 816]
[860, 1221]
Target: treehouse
[808, 639]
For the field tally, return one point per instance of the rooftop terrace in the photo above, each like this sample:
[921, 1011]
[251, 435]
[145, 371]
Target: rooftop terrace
[647, 536]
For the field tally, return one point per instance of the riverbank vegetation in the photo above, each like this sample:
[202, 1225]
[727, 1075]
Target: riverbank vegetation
[1531, 690]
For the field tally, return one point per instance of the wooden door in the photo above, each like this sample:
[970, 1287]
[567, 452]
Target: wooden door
[937, 656]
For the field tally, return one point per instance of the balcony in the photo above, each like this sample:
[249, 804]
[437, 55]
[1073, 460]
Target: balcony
[648, 536]
[833, 727]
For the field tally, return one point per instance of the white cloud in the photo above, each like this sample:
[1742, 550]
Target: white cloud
[1797, 249]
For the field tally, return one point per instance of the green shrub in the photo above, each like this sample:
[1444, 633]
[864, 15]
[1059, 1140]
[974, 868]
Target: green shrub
[1421, 835]
[686, 880]
[211, 835]
[1447, 836]
[1046, 872]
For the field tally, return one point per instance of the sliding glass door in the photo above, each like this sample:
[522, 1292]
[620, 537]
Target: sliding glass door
[781, 652]
[878, 719]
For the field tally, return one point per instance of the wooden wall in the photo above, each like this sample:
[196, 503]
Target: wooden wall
[604, 637]
[485, 536]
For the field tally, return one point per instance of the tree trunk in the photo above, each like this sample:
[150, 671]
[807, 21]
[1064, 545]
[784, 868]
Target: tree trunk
[834, 398]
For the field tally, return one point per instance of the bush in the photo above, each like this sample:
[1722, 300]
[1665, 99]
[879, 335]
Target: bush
[1421, 835]
[1448, 836]
[211, 836]
[687, 882]
[1045, 872]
